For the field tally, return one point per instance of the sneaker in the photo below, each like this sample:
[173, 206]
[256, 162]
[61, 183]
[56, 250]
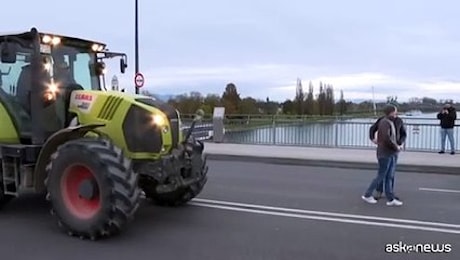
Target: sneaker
[369, 199]
[441, 152]
[452, 153]
[394, 202]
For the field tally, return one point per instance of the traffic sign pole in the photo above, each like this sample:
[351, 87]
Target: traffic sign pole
[136, 41]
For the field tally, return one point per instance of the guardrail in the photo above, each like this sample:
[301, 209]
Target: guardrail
[340, 132]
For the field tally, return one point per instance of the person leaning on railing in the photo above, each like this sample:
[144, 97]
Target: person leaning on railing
[401, 135]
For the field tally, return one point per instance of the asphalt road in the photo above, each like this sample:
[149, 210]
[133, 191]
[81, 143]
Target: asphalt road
[261, 211]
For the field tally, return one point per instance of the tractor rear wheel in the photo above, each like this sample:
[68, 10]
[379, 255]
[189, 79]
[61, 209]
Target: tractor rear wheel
[92, 188]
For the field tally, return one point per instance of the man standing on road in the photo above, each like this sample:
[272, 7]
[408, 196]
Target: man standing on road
[401, 135]
[447, 118]
[387, 149]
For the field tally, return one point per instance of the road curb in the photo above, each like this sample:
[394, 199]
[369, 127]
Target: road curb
[333, 164]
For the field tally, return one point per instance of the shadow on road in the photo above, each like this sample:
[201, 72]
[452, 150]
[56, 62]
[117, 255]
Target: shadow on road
[32, 212]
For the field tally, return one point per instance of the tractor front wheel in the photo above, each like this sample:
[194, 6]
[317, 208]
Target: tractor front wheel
[92, 188]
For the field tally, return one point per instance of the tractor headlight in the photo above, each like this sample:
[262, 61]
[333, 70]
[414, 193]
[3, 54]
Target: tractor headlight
[158, 120]
[48, 66]
[97, 47]
[56, 40]
[48, 39]
[52, 87]
[50, 93]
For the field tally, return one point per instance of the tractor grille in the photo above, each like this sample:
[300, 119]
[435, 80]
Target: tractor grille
[139, 132]
[170, 112]
[110, 107]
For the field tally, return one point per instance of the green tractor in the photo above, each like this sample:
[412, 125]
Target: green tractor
[93, 152]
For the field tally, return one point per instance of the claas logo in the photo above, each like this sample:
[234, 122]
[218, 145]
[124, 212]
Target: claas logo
[84, 97]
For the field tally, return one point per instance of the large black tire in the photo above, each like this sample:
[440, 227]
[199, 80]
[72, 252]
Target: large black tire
[111, 194]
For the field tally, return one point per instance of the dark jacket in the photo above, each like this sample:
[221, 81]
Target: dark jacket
[401, 133]
[448, 120]
[386, 138]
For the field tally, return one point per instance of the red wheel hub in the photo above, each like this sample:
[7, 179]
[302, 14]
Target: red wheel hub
[80, 191]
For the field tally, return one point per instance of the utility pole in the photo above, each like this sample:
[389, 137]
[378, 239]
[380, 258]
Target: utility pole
[136, 42]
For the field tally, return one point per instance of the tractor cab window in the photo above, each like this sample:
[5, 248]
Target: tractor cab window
[74, 66]
[15, 80]
[15, 85]
[10, 74]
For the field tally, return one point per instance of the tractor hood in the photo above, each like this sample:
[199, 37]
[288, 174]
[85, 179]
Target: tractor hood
[142, 123]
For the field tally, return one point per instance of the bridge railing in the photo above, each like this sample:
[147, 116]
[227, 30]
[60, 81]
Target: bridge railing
[423, 134]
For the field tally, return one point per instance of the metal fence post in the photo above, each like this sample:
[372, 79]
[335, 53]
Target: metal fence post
[336, 137]
[274, 130]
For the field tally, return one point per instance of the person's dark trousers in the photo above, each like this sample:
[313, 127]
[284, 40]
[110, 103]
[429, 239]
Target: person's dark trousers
[384, 174]
[381, 184]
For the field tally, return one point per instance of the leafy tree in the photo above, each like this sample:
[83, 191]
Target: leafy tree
[288, 107]
[299, 98]
[310, 100]
[249, 106]
[342, 104]
[231, 99]
[322, 99]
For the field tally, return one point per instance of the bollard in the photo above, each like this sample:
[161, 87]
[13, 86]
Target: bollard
[218, 124]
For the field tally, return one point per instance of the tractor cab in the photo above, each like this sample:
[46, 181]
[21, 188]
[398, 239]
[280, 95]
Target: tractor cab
[38, 72]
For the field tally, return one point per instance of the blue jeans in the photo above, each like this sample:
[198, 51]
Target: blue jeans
[447, 132]
[380, 186]
[385, 175]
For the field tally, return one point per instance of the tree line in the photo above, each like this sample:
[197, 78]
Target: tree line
[304, 102]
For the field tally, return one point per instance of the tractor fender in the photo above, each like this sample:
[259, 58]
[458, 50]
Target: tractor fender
[50, 146]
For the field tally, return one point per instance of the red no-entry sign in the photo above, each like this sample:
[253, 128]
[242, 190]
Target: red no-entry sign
[139, 80]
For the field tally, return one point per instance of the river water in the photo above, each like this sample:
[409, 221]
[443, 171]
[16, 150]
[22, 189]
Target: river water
[423, 133]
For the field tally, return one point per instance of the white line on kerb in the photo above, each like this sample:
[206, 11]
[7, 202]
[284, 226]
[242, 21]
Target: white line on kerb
[270, 209]
[439, 190]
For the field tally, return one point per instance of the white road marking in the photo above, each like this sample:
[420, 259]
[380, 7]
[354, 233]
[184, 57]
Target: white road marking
[439, 190]
[361, 222]
[271, 209]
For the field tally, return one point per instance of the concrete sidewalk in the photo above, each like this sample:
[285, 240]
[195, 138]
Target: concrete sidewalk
[332, 157]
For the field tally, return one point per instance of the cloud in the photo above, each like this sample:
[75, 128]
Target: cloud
[278, 82]
[263, 46]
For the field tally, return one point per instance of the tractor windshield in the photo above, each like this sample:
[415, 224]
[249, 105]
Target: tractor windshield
[74, 66]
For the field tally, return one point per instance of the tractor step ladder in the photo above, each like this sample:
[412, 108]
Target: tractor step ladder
[10, 174]
[11, 166]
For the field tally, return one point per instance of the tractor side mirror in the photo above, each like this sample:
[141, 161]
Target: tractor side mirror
[8, 52]
[123, 65]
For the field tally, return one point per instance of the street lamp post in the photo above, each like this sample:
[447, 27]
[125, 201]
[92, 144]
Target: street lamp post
[136, 42]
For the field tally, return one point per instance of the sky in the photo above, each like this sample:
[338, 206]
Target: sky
[405, 48]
